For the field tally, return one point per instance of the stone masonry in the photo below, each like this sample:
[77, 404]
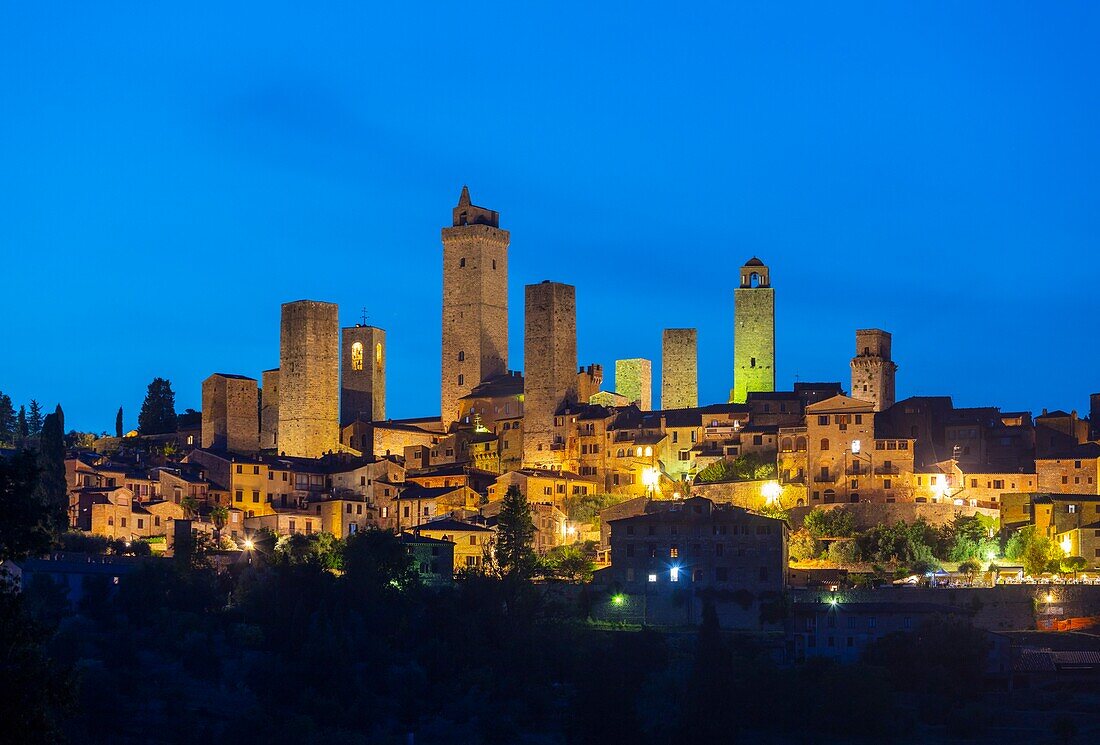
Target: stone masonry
[872, 369]
[634, 379]
[679, 369]
[269, 409]
[309, 379]
[363, 374]
[550, 377]
[475, 303]
[230, 413]
[754, 332]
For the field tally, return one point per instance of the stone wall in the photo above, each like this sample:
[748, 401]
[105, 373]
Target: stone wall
[634, 379]
[679, 369]
[872, 369]
[362, 374]
[230, 413]
[550, 359]
[309, 382]
[869, 515]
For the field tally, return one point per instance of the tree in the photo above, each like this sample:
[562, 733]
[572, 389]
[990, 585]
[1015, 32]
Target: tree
[834, 523]
[35, 419]
[743, 468]
[802, 545]
[23, 529]
[568, 563]
[1073, 564]
[158, 411]
[515, 534]
[970, 567]
[7, 420]
[21, 429]
[376, 561]
[51, 491]
[708, 711]
[1034, 550]
[118, 423]
[219, 515]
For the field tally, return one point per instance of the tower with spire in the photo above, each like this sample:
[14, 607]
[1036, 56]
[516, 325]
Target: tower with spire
[753, 332]
[475, 302]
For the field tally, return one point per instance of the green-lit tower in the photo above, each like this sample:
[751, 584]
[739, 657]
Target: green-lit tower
[753, 332]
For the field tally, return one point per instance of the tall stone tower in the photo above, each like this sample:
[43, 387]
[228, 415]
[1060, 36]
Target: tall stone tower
[550, 362]
[363, 374]
[679, 369]
[230, 413]
[1094, 416]
[309, 379]
[475, 302]
[754, 332]
[269, 409]
[634, 379]
[872, 369]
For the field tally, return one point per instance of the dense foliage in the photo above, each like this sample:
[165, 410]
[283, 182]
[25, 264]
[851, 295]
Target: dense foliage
[742, 468]
[158, 410]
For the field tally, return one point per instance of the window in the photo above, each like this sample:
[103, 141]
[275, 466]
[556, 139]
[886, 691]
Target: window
[255, 497]
[238, 496]
[357, 356]
[824, 443]
[859, 418]
[823, 420]
[461, 380]
[752, 362]
[461, 356]
[462, 262]
[674, 552]
[240, 469]
[473, 540]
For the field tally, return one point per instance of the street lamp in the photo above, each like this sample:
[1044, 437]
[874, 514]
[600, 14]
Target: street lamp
[771, 492]
[650, 478]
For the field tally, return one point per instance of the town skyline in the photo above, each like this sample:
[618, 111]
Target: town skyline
[939, 185]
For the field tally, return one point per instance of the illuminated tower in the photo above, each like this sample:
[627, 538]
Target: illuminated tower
[753, 333]
[679, 369]
[230, 413]
[309, 379]
[872, 369]
[634, 379]
[363, 374]
[475, 302]
[550, 374]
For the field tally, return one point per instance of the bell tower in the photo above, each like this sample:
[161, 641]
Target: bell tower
[753, 332]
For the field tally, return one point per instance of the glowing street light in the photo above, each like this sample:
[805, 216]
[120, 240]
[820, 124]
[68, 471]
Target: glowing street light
[1067, 545]
[650, 479]
[618, 599]
[248, 544]
[771, 491]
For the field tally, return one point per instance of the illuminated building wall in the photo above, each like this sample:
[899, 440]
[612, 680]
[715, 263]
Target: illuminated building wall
[269, 408]
[363, 374]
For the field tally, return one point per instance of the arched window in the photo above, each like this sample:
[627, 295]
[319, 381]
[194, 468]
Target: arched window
[824, 443]
[754, 280]
[648, 451]
[621, 453]
[637, 452]
[800, 444]
[378, 355]
[785, 444]
[461, 356]
[800, 503]
[356, 356]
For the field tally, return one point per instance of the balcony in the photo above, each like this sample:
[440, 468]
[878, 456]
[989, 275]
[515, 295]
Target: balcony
[796, 479]
[887, 470]
[824, 478]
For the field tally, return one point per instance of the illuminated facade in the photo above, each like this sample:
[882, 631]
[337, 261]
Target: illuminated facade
[754, 332]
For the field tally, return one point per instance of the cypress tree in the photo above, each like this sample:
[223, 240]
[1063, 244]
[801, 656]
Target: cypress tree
[34, 420]
[7, 420]
[51, 492]
[515, 534]
[158, 411]
[21, 426]
[118, 423]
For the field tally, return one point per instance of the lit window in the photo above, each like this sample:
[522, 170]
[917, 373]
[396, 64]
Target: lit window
[653, 578]
[356, 356]
[674, 574]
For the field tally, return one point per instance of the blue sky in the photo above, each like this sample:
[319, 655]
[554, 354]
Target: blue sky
[171, 172]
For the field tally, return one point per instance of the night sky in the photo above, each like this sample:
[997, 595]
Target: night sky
[171, 172]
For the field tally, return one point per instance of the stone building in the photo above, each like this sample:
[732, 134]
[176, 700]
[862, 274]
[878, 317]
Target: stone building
[269, 409]
[634, 379]
[550, 356]
[679, 369]
[872, 368]
[309, 384]
[363, 374]
[230, 413]
[475, 303]
[754, 332]
[1075, 470]
[589, 381]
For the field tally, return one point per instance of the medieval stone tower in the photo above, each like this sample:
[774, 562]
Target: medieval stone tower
[550, 362]
[309, 379]
[269, 409]
[634, 379]
[753, 333]
[230, 413]
[475, 302]
[363, 374]
[679, 369]
[872, 369]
